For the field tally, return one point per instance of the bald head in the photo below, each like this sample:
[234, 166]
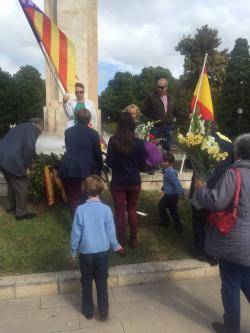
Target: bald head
[162, 81]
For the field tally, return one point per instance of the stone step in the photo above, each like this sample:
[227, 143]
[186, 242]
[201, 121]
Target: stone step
[149, 182]
[48, 284]
[154, 182]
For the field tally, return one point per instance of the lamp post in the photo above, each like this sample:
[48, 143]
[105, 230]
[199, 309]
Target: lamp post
[240, 112]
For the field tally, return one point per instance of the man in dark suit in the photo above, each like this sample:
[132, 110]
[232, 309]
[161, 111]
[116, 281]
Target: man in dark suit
[17, 152]
[159, 106]
[83, 157]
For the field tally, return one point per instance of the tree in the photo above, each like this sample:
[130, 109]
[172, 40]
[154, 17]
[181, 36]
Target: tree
[146, 81]
[194, 49]
[118, 94]
[29, 94]
[6, 102]
[235, 93]
[126, 89]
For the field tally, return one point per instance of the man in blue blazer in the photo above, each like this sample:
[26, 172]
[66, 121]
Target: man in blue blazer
[17, 152]
[83, 157]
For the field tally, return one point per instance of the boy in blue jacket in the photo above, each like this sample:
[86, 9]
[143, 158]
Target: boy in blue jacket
[172, 189]
[93, 233]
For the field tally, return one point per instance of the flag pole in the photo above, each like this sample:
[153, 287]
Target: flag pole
[195, 103]
[44, 52]
[198, 90]
[50, 67]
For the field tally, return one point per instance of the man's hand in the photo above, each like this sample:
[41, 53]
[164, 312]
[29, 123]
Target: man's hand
[73, 259]
[66, 98]
[33, 165]
[198, 183]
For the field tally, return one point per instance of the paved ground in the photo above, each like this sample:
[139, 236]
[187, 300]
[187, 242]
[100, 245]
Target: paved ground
[173, 307]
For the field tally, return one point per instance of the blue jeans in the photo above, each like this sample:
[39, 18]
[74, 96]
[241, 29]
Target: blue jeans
[164, 133]
[94, 267]
[233, 278]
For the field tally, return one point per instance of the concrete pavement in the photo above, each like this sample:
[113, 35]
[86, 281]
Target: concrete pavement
[187, 306]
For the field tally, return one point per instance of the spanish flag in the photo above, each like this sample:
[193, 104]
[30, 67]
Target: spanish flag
[59, 48]
[204, 99]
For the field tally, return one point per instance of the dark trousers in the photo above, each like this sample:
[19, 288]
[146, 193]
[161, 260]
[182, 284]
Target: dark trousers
[170, 202]
[125, 198]
[199, 222]
[94, 267]
[17, 192]
[233, 279]
[164, 133]
[73, 191]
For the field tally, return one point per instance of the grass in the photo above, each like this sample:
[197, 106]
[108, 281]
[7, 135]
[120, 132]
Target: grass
[42, 244]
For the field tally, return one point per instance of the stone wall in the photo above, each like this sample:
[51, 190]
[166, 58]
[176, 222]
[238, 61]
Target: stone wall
[149, 182]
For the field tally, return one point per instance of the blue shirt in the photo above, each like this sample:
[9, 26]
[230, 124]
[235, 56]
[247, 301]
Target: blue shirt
[171, 183]
[93, 229]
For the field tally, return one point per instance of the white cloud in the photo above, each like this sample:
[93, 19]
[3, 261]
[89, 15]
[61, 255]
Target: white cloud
[132, 34]
[144, 32]
[18, 44]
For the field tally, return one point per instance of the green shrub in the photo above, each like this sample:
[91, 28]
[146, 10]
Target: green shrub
[37, 191]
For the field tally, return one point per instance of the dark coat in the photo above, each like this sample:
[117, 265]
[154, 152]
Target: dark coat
[222, 167]
[18, 148]
[153, 108]
[126, 168]
[83, 155]
[235, 246]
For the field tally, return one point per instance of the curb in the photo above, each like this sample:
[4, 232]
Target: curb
[46, 284]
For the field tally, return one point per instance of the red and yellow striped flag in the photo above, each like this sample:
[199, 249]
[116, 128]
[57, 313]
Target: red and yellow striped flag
[204, 100]
[59, 48]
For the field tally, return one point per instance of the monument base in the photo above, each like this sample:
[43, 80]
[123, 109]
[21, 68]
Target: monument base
[48, 143]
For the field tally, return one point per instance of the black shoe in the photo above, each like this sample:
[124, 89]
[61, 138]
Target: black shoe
[87, 315]
[178, 229]
[199, 256]
[212, 261]
[104, 315]
[27, 216]
[220, 328]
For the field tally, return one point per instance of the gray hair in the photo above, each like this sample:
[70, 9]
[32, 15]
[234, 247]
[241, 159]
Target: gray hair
[36, 121]
[162, 79]
[242, 147]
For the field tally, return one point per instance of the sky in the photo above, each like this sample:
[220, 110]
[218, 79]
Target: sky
[132, 34]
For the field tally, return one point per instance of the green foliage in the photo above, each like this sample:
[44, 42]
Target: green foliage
[7, 114]
[235, 93]
[37, 192]
[115, 97]
[194, 49]
[126, 89]
[21, 97]
[146, 81]
[30, 93]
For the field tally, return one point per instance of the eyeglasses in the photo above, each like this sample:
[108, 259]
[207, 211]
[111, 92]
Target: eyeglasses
[80, 92]
[161, 87]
